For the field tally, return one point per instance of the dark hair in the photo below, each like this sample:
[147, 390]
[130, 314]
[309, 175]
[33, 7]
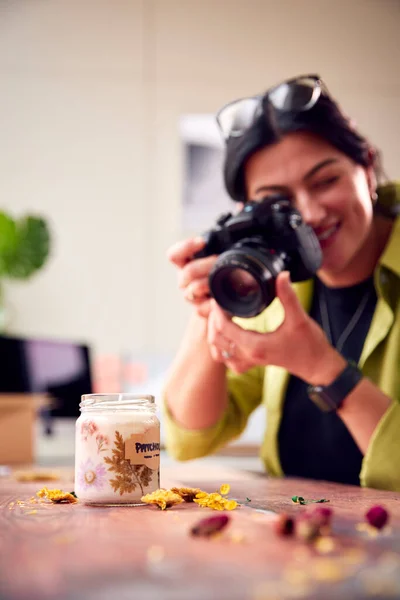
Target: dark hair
[325, 119]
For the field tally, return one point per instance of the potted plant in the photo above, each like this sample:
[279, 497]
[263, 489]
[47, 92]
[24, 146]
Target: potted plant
[24, 249]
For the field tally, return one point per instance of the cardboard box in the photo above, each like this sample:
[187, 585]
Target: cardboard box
[17, 427]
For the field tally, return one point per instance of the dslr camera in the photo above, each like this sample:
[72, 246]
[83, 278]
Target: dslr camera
[254, 246]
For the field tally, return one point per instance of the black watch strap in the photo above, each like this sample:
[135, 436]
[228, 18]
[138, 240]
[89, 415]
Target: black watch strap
[330, 397]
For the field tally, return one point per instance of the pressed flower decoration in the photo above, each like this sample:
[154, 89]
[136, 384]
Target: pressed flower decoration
[91, 475]
[102, 442]
[127, 476]
[88, 428]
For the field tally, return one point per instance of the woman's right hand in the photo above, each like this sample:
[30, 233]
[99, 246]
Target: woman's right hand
[193, 273]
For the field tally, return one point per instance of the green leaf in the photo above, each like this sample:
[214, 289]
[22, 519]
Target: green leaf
[301, 500]
[298, 499]
[32, 247]
[8, 241]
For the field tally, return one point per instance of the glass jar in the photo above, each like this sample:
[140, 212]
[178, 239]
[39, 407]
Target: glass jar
[117, 449]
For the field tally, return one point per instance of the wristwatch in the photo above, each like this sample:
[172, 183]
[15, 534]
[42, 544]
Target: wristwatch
[330, 397]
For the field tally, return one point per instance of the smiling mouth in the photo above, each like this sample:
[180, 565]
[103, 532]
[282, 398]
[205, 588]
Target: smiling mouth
[328, 232]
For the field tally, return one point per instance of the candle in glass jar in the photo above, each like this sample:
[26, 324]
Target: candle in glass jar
[117, 449]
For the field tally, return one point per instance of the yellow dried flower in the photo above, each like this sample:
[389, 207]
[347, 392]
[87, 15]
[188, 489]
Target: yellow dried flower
[215, 496]
[36, 476]
[215, 505]
[325, 569]
[202, 495]
[237, 537]
[214, 501]
[325, 545]
[188, 494]
[56, 496]
[162, 498]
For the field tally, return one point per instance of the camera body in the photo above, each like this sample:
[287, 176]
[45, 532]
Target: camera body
[254, 246]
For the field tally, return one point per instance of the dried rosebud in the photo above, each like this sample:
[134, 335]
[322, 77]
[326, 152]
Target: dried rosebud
[307, 529]
[321, 515]
[377, 516]
[284, 525]
[210, 525]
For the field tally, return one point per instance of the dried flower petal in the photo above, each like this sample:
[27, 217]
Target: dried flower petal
[215, 501]
[325, 545]
[56, 496]
[284, 525]
[224, 489]
[328, 570]
[201, 495]
[237, 537]
[210, 526]
[377, 516]
[322, 515]
[188, 494]
[306, 528]
[162, 498]
[36, 476]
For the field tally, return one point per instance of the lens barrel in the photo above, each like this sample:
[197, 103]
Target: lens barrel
[243, 279]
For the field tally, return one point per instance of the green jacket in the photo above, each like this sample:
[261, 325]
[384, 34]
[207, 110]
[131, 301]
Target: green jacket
[380, 361]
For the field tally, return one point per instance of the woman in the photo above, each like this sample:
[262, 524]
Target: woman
[326, 418]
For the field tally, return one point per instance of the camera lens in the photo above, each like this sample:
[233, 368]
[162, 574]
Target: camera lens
[243, 280]
[240, 284]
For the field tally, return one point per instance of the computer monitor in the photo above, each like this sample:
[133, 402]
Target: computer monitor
[59, 368]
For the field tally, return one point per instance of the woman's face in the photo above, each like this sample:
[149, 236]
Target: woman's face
[332, 193]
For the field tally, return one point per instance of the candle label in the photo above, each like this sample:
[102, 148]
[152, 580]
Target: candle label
[135, 463]
[143, 449]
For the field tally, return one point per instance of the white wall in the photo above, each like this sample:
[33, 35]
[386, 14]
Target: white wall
[90, 96]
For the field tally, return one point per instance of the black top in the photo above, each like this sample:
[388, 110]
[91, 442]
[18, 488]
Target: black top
[314, 444]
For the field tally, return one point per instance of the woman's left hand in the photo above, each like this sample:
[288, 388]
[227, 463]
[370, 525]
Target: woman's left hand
[298, 345]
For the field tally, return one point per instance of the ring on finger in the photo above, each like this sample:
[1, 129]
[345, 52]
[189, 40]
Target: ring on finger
[228, 354]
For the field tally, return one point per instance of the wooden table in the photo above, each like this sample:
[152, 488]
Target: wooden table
[73, 551]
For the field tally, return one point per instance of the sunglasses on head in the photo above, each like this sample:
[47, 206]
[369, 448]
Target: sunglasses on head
[294, 95]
